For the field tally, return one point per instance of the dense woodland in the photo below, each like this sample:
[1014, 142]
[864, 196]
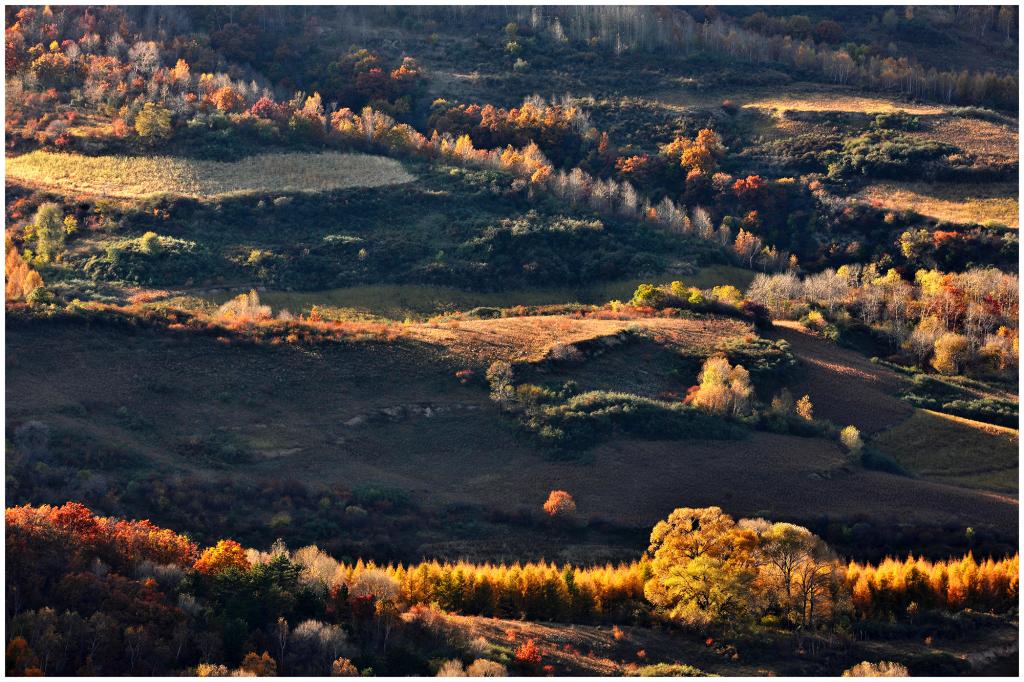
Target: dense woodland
[168, 92]
[500, 185]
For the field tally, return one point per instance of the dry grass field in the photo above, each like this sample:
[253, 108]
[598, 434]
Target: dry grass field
[836, 100]
[794, 98]
[942, 447]
[956, 203]
[988, 142]
[137, 176]
[529, 338]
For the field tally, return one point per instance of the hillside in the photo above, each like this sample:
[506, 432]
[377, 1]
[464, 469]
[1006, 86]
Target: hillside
[601, 651]
[388, 414]
[845, 385]
[933, 444]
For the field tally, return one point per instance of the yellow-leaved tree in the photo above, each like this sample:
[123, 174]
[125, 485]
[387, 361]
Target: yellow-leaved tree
[724, 389]
[951, 352]
[702, 568]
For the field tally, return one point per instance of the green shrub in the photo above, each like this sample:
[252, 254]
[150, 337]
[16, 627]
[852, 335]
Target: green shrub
[870, 458]
[888, 154]
[482, 313]
[215, 449]
[150, 259]
[897, 120]
[667, 670]
[586, 418]
[770, 363]
[649, 296]
[153, 124]
[371, 495]
[149, 244]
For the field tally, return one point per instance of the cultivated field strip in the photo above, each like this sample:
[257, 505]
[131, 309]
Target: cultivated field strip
[133, 177]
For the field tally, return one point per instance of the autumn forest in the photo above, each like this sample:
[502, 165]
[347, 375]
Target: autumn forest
[512, 341]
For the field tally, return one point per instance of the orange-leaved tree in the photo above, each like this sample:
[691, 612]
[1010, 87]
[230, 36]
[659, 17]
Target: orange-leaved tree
[528, 652]
[225, 555]
[22, 280]
[559, 503]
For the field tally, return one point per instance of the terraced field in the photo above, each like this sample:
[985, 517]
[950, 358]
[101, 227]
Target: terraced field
[133, 177]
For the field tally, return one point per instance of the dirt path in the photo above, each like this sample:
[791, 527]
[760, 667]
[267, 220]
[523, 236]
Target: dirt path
[845, 387]
[598, 650]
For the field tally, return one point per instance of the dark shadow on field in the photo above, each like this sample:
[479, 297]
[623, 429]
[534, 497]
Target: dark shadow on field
[845, 387]
[393, 413]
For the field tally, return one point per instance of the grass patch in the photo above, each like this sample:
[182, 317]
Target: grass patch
[401, 301]
[952, 202]
[667, 670]
[963, 397]
[135, 177]
[954, 450]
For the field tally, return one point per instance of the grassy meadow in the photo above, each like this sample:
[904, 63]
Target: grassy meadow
[951, 449]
